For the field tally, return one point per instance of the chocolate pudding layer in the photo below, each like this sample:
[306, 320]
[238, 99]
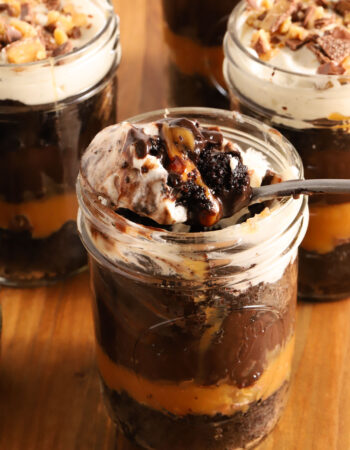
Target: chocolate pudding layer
[194, 32]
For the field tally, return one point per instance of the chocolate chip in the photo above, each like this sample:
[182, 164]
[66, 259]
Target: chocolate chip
[281, 10]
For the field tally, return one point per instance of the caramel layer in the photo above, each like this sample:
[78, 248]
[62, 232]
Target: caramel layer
[194, 59]
[329, 226]
[189, 398]
[45, 216]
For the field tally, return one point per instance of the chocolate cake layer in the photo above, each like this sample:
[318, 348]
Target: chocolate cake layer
[22, 257]
[157, 430]
[170, 334]
[325, 275]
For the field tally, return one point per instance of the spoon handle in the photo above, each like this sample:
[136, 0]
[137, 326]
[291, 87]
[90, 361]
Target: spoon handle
[296, 187]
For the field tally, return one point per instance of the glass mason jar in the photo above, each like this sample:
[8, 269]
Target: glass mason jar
[49, 112]
[193, 32]
[195, 331]
[313, 112]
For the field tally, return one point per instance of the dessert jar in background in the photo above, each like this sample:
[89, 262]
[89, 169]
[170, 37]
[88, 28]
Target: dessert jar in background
[195, 331]
[193, 32]
[49, 111]
[313, 112]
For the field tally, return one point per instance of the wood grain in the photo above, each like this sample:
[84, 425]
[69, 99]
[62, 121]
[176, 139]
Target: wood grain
[49, 389]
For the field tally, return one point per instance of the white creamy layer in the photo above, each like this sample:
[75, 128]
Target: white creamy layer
[287, 84]
[270, 239]
[266, 245]
[53, 80]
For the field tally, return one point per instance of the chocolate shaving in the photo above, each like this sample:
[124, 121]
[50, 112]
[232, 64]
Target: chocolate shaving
[335, 48]
[316, 49]
[75, 33]
[6, 7]
[298, 14]
[253, 4]
[47, 40]
[331, 68]
[11, 35]
[323, 22]
[295, 44]
[342, 7]
[280, 11]
[53, 4]
[62, 49]
[261, 46]
[339, 33]
[25, 12]
[309, 16]
[275, 40]
[50, 28]
[262, 15]
[322, 3]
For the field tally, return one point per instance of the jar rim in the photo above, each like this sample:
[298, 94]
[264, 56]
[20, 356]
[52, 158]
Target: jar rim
[232, 31]
[202, 236]
[53, 60]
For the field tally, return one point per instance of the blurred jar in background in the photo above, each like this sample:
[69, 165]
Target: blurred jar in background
[193, 32]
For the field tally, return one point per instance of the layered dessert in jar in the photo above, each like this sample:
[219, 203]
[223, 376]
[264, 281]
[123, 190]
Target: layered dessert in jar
[193, 32]
[194, 294]
[288, 63]
[58, 63]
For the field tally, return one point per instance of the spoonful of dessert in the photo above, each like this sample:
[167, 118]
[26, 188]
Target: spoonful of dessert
[176, 171]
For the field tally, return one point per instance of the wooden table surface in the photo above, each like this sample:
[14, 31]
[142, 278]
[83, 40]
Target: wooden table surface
[49, 391]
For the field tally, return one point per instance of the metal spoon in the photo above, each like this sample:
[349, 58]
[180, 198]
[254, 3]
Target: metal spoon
[296, 187]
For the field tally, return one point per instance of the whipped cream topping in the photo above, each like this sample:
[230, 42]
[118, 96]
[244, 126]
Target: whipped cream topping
[295, 61]
[172, 171]
[299, 36]
[85, 53]
[34, 31]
